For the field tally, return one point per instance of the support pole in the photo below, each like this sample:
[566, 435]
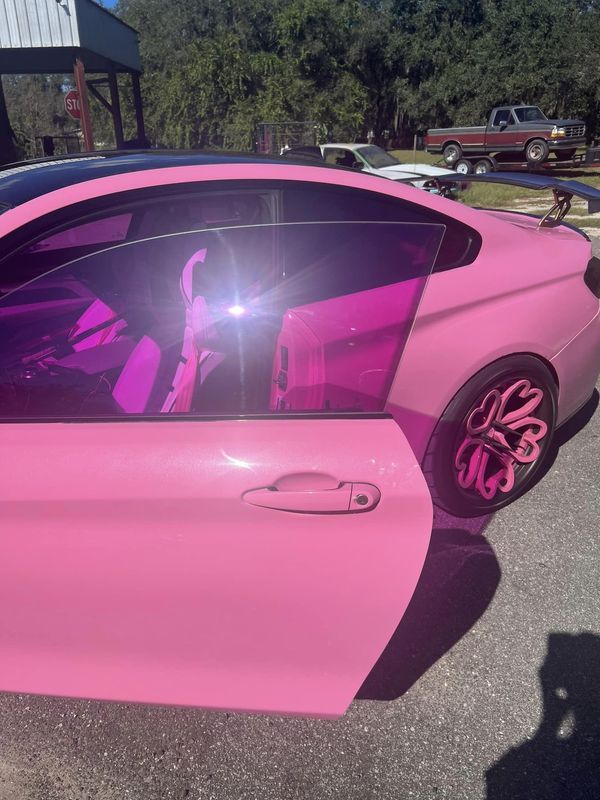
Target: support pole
[8, 151]
[116, 109]
[139, 113]
[86, 122]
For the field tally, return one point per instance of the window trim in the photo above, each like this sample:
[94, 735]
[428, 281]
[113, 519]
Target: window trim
[185, 417]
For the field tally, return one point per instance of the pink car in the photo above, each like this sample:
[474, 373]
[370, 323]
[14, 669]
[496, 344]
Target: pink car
[219, 377]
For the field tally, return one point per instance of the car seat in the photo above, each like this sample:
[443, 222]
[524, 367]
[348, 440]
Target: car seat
[198, 332]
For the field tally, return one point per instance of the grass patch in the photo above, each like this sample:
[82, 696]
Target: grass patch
[493, 195]
[585, 222]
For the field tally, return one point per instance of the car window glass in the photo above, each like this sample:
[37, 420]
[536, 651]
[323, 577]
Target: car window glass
[503, 117]
[377, 157]
[317, 202]
[136, 220]
[104, 231]
[331, 154]
[255, 319]
[529, 114]
[340, 156]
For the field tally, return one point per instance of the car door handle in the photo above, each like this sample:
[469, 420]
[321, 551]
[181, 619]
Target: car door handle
[347, 498]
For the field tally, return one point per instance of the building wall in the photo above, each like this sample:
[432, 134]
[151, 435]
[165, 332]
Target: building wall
[38, 23]
[28, 27]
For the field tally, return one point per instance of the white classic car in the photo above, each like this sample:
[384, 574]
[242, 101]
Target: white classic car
[373, 159]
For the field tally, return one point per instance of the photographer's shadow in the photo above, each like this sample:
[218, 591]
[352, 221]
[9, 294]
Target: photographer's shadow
[459, 579]
[562, 760]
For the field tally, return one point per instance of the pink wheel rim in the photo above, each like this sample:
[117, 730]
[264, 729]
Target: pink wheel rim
[501, 433]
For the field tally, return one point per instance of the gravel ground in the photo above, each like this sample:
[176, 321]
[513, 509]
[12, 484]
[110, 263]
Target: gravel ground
[456, 708]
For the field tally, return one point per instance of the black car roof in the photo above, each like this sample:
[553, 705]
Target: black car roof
[28, 179]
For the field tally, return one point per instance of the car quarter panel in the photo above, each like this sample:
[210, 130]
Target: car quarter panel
[523, 294]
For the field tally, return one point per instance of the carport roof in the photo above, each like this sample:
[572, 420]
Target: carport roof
[48, 35]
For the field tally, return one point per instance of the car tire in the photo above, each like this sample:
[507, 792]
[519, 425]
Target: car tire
[536, 151]
[483, 167]
[463, 167]
[473, 464]
[452, 153]
[565, 155]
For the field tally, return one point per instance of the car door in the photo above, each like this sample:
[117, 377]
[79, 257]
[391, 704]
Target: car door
[168, 535]
[500, 134]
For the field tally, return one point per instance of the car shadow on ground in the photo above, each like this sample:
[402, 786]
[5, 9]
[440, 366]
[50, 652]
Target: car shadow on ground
[562, 760]
[459, 579]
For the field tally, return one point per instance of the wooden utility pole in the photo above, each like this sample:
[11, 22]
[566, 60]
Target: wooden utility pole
[8, 150]
[86, 121]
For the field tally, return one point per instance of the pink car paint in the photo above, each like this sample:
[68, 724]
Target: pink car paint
[524, 293]
[132, 570]
[221, 563]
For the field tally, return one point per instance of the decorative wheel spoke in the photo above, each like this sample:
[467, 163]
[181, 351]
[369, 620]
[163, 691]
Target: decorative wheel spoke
[501, 434]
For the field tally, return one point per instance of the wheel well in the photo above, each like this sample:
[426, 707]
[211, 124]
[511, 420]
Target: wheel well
[549, 366]
[451, 141]
[533, 139]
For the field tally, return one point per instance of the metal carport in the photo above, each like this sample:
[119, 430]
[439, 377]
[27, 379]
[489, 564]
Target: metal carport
[79, 36]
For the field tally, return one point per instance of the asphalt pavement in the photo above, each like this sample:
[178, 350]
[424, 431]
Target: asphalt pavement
[490, 687]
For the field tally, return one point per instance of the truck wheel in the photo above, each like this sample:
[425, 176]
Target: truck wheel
[484, 166]
[565, 155]
[452, 152]
[463, 167]
[536, 151]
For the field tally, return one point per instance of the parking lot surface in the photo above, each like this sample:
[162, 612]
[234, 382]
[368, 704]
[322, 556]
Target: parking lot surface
[490, 687]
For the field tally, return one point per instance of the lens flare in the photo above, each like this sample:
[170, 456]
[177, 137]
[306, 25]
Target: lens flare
[236, 311]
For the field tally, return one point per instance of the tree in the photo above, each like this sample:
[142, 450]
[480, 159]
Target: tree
[214, 68]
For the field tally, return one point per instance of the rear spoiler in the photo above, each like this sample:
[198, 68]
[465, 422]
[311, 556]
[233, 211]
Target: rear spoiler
[563, 191]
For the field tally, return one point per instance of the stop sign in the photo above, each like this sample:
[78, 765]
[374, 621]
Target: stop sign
[72, 106]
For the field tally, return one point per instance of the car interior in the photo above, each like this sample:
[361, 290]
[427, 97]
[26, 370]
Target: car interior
[211, 321]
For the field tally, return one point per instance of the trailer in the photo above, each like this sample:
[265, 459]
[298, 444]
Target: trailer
[482, 164]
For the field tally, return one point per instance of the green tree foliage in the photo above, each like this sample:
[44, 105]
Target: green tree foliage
[213, 69]
[35, 108]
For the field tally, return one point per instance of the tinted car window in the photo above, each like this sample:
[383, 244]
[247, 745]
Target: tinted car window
[340, 156]
[314, 202]
[261, 318]
[104, 231]
[503, 117]
[530, 114]
[377, 157]
[87, 230]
